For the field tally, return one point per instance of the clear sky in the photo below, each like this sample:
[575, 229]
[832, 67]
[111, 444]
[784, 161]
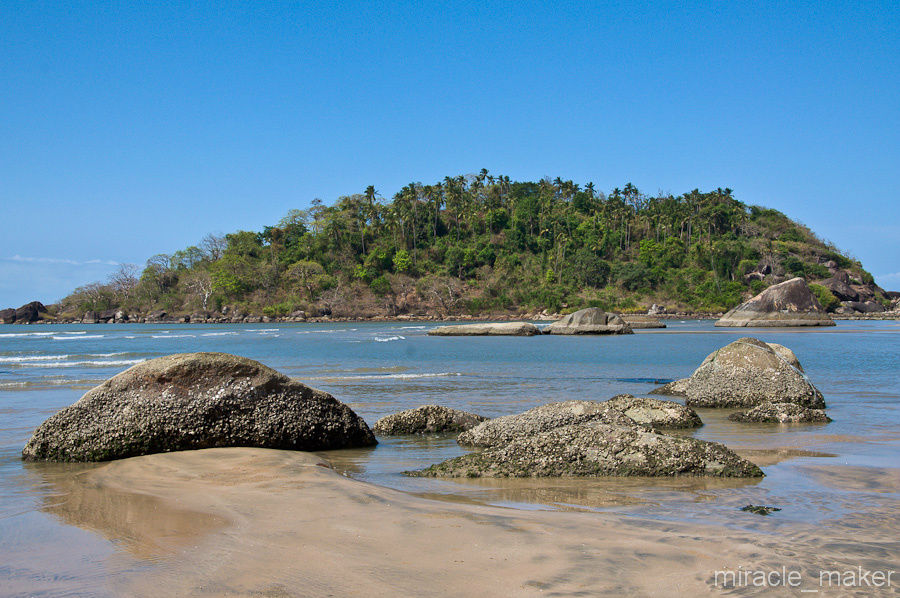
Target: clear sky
[129, 129]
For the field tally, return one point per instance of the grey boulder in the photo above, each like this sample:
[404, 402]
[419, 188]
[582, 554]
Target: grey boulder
[655, 413]
[196, 401]
[789, 303]
[746, 373]
[590, 321]
[428, 419]
[503, 430]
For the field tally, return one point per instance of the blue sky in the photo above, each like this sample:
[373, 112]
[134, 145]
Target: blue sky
[129, 129]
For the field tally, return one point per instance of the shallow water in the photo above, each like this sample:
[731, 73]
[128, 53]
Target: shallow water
[816, 473]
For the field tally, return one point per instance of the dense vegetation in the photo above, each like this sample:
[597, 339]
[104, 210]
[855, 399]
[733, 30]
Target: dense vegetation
[481, 244]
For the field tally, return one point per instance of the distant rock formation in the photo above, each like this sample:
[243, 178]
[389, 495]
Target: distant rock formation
[590, 321]
[789, 303]
[639, 321]
[487, 329]
[27, 314]
[195, 401]
[428, 419]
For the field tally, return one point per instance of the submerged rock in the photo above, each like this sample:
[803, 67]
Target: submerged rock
[590, 321]
[781, 413]
[746, 373]
[597, 449]
[502, 430]
[487, 329]
[195, 401]
[428, 419]
[789, 303]
[655, 413]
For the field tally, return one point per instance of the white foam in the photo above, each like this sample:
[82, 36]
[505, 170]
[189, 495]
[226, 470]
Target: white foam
[218, 333]
[388, 376]
[26, 358]
[25, 334]
[82, 363]
[389, 339]
[173, 335]
[77, 338]
[413, 327]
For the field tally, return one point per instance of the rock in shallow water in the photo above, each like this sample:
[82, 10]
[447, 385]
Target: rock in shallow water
[656, 413]
[597, 449]
[194, 401]
[781, 413]
[623, 410]
[502, 430]
[428, 419]
[746, 373]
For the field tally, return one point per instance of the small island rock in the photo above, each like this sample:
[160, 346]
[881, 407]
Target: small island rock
[194, 401]
[641, 321]
[789, 303]
[487, 329]
[590, 321]
[428, 419]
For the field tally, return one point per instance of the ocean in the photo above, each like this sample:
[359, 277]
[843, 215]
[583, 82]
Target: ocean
[815, 473]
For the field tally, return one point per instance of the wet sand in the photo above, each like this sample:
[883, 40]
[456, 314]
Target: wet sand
[255, 522]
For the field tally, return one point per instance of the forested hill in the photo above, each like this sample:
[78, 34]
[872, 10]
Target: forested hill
[484, 245]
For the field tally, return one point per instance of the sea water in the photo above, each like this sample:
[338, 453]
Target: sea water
[814, 473]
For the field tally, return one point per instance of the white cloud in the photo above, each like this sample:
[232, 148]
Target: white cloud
[58, 260]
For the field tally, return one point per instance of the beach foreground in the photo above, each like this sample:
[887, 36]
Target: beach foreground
[260, 522]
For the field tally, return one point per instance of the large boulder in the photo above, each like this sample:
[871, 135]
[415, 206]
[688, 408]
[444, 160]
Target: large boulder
[594, 449]
[428, 419]
[781, 413]
[590, 321]
[196, 401]
[503, 430]
[789, 303]
[746, 373]
[655, 413]
[487, 329]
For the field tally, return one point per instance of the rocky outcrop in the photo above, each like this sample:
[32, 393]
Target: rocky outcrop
[597, 448]
[746, 373]
[781, 413]
[839, 285]
[590, 321]
[789, 303]
[637, 321]
[428, 419]
[195, 401]
[27, 314]
[487, 329]
[502, 430]
[655, 413]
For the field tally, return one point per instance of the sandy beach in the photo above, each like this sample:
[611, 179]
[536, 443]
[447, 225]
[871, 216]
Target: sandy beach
[255, 522]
